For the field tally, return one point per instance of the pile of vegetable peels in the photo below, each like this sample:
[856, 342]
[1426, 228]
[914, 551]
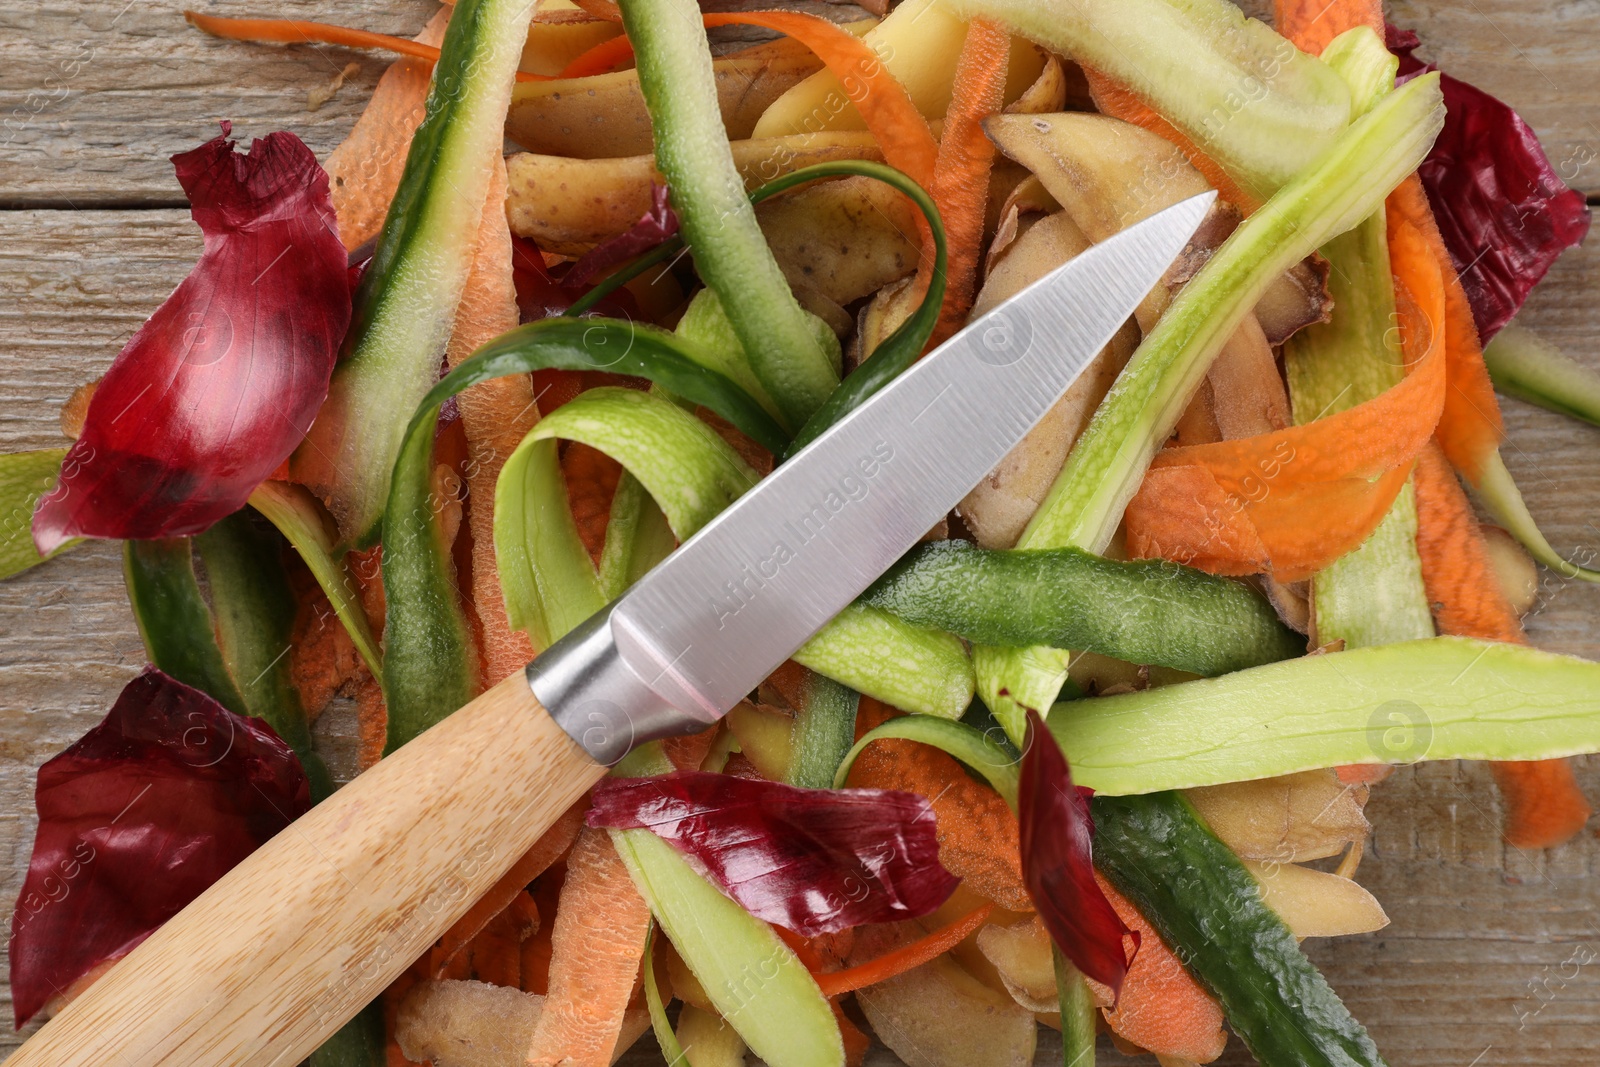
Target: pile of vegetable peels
[420, 411]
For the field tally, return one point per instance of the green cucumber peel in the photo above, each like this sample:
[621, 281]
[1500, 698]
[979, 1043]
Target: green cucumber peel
[254, 612]
[358, 1043]
[671, 1050]
[1359, 56]
[1264, 110]
[1440, 698]
[430, 660]
[24, 478]
[1346, 184]
[824, 730]
[705, 327]
[300, 518]
[174, 619]
[546, 577]
[690, 473]
[1524, 365]
[718, 222]
[550, 585]
[753, 979]
[181, 633]
[1500, 496]
[637, 538]
[911, 668]
[1080, 1016]
[998, 764]
[1147, 611]
[405, 306]
[1207, 908]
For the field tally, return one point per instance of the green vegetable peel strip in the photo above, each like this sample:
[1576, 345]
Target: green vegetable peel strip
[430, 662]
[437, 672]
[24, 478]
[719, 225]
[824, 728]
[1439, 698]
[406, 304]
[298, 516]
[247, 671]
[1347, 184]
[254, 611]
[671, 1051]
[1207, 908]
[1500, 495]
[1374, 595]
[174, 619]
[1524, 365]
[550, 585]
[998, 765]
[1149, 611]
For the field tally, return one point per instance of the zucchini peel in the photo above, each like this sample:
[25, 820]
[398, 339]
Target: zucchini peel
[1437, 699]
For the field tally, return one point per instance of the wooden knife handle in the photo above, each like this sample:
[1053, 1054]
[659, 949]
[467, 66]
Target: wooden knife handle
[276, 956]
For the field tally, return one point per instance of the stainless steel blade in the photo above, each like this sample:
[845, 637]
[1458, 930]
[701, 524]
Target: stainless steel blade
[718, 615]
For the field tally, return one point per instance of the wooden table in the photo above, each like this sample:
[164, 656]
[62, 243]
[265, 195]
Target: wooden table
[1484, 962]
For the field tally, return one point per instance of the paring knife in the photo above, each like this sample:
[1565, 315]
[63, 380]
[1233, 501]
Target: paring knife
[266, 964]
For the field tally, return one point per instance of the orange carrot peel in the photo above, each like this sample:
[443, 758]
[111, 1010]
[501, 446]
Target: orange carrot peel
[1162, 1009]
[296, 31]
[1544, 806]
[978, 836]
[961, 168]
[905, 958]
[596, 947]
[1289, 503]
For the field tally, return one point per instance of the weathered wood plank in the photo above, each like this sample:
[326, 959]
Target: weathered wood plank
[95, 96]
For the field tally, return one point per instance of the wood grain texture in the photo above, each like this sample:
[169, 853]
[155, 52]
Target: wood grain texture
[1492, 957]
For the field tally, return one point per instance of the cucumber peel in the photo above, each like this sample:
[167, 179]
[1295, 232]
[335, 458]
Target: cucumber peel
[1500, 495]
[254, 613]
[1375, 594]
[1146, 611]
[1207, 907]
[719, 224]
[299, 517]
[911, 668]
[1438, 699]
[405, 306]
[24, 478]
[1524, 365]
[998, 765]
[755, 981]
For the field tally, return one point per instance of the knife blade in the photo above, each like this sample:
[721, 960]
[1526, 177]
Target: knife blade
[701, 630]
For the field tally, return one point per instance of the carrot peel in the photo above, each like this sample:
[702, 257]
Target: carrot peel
[297, 31]
[904, 958]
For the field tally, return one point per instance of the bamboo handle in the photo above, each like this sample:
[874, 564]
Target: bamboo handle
[287, 947]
